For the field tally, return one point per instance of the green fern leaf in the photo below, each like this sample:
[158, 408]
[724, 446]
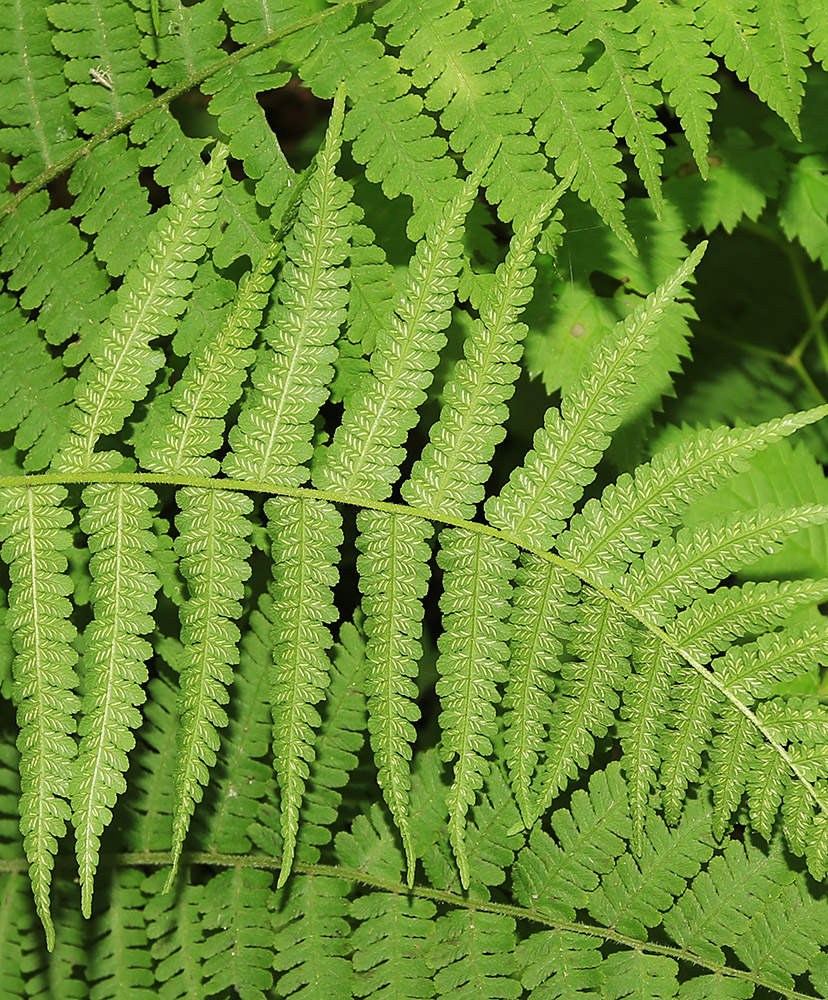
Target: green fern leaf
[393, 569]
[175, 928]
[679, 570]
[116, 521]
[762, 58]
[312, 939]
[473, 97]
[121, 363]
[120, 962]
[272, 440]
[538, 607]
[34, 528]
[476, 589]
[190, 424]
[675, 51]
[544, 67]
[601, 639]
[560, 963]
[571, 442]
[37, 113]
[212, 545]
[238, 958]
[364, 456]
[621, 85]
[634, 511]
[306, 535]
[472, 955]
[454, 465]
[35, 393]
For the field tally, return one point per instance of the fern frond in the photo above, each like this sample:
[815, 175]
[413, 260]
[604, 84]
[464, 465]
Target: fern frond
[36, 111]
[388, 946]
[675, 51]
[243, 777]
[476, 590]
[238, 958]
[122, 364]
[35, 538]
[306, 535]
[646, 695]
[213, 527]
[116, 520]
[472, 955]
[635, 895]
[620, 83]
[538, 612]
[190, 423]
[312, 939]
[601, 640]
[120, 961]
[770, 60]
[35, 393]
[393, 570]
[449, 476]
[366, 451]
[678, 570]
[473, 98]
[817, 29]
[47, 261]
[544, 68]
[561, 964]
[176, 931]
[144, 815]
[556, 875]
[572, 441]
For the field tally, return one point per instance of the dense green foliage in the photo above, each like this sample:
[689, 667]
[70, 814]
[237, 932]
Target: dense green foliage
[414, 524]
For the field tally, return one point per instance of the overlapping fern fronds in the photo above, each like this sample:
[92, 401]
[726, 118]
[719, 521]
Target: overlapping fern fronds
[211, 360]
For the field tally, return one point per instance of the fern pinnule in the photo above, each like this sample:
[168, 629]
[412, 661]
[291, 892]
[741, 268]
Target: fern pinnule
[450, 474]
[364, 456]
[305, 535]
[238, 957]
[673, 48]
[393, 570]
[36, 395]
[633, 511]
[37, 112]
[120, 961]
[600, 637]
[272, 439]
[190, 423]
[711, 623]
[680, 569]
[213, 527]
[121, 363]
[540, 495]
[117, 521]
[473, 648]
[34, 524]
[47, 261]
[545, 74]
[473, 97]
[539, 627]
[311, 944]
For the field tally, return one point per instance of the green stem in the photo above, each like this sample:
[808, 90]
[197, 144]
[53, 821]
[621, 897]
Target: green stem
[357, 876]
[403, 510]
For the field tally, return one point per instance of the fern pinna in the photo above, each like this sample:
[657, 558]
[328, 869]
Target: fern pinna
[353, 662]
